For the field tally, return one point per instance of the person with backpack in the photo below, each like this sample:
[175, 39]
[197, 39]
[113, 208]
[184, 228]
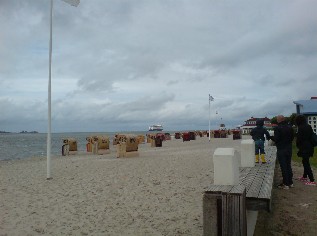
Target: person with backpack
[305, 148]
[258, 134]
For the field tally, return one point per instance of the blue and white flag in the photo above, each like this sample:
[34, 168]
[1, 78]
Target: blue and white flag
[74, 3]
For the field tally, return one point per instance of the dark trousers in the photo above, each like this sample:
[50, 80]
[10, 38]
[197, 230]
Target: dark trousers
[307, 169]
[284, 156]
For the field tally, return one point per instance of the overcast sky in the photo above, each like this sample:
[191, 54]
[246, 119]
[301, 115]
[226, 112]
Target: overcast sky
[126, 64]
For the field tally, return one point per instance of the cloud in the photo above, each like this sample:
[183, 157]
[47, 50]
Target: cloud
[123, 65]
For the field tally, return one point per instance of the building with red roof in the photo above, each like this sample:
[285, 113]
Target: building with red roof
[251, 123]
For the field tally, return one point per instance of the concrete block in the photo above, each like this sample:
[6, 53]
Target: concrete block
[247, 153]
[226, 166]
[238, 156]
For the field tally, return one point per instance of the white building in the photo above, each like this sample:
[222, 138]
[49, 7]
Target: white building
[251, 123]
[308, 108]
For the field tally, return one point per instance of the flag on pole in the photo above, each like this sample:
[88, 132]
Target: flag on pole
[74, 3]
[210, 98]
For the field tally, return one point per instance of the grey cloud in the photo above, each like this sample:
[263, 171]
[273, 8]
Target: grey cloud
[127, 64]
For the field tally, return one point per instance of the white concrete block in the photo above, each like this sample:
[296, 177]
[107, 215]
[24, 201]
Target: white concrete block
[247, 153]
[238, 155]
[226, 166]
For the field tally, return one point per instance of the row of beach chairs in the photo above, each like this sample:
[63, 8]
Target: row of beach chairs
[101, 144]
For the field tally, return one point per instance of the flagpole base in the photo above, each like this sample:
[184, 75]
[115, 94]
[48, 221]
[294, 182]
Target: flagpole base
[49, 178]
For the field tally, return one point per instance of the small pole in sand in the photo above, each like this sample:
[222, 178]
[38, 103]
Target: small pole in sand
[49, 145]
[210, 100]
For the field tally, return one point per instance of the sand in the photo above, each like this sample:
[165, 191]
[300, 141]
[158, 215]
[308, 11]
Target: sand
[157, 193]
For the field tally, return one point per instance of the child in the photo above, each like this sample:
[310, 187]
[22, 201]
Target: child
[257, 134]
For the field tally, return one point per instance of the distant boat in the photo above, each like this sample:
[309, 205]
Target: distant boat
[156, 128]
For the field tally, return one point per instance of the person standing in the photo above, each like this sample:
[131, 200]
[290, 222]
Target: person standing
[305, 148]
[283, 138]
[257, 134]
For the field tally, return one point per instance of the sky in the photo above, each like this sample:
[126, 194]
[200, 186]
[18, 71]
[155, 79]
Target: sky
[122, 65]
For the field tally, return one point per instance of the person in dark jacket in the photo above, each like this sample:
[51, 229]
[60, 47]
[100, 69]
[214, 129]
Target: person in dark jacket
[257, 134]
[305, 148]
[283, 138]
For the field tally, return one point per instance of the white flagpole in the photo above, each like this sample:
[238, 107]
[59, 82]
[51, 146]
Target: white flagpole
[209, 116]
[48, 176]
[210, 99]
[49, 129]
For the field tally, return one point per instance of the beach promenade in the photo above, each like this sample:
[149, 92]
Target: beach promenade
[158, 193]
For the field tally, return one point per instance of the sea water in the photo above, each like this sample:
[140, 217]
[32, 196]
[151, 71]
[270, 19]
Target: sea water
[24, 145]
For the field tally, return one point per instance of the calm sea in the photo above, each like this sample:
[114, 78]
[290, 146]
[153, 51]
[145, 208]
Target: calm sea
[24, 145]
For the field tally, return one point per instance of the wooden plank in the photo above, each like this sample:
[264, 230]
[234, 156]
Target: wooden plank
[256, 204]
[210, 214]
[237, 189]
[266, 189]
[258, 181]
[249, 178]
[262, 200]
[223, 216]
[219, 188]
[243, 214]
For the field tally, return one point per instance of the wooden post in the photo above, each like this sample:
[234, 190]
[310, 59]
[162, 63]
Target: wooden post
[65, 150]
[224, 211]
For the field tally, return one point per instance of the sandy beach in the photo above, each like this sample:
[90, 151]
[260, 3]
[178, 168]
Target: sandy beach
[157, 193]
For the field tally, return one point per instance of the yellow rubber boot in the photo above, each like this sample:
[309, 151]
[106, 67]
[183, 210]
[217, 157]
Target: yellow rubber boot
[257, 158]
[263, 158]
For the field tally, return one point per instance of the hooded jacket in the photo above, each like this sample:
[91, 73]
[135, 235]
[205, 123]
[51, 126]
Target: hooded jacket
[259, 131]
[303, 140]
[283, 135]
